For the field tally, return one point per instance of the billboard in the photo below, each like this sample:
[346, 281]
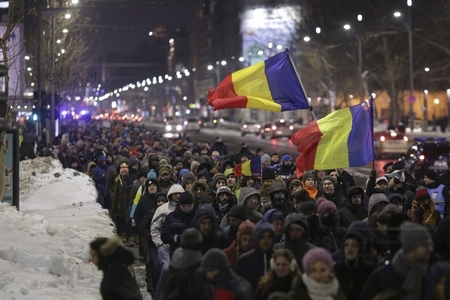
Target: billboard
[268, 31]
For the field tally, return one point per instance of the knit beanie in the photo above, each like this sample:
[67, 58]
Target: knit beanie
[268, 174]
[223, 189]
[308, 207]
[325, 207]
[214, 259]
[316, 254]
[395, 198]
[285, 158]
[413, 236]
[308, 175]
[216, 178]
[238, 211]
[431, 174]
[265, 157]
[398, 165]
[187, 155]
[273, 215]
[246, 227]
[330, 178]
[186, 198]
[422, 194]
[151, 174]
[191, 239]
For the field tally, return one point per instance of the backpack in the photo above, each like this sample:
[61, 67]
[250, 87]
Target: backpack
[179, 284]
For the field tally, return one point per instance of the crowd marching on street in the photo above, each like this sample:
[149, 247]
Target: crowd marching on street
[206, 232]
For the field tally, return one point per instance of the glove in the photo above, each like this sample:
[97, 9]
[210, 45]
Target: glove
[373, 174]
[133, 223]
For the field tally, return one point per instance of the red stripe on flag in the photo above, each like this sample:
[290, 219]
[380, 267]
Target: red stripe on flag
[225, 96]
[306, 140]
[237, 170]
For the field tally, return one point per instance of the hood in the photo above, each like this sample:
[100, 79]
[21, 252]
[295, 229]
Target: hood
[113, 251]
[375, 199]
[206, 211]
[188, 177]
[352, 191]
[362, 228]
[299, 219]
[202, 173]
[147, 184]
[196, 184]
[182, 172]
[183, 259]
[246, 192]
[175, 188]
[358, 237]
[261, 227]
[90, 164]
[101, 158]
[133, 161]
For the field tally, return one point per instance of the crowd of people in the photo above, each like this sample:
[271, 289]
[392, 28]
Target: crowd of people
[204, 232]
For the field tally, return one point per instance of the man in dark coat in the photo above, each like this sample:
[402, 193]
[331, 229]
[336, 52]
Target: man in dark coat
[99, 177]
[296, 232]
[279, 199]
[354, 209]
[254, 264]
[407, 271]
[205, 221]
[352, 269]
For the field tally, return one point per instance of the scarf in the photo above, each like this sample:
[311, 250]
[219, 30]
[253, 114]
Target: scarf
[312, 191]
[223, 207]
[413, 273]
[321, 291]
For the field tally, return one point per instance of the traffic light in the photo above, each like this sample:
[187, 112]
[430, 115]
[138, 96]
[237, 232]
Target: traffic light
[3, 101]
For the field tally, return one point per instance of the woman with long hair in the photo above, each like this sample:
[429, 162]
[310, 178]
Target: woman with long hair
[283, 271]
[318, 282]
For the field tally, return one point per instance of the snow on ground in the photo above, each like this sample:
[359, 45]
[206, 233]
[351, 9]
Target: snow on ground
[44, 253]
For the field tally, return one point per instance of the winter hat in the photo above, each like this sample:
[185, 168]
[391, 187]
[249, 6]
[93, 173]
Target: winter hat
[246, 227]
[273, 215]
[308, 207]
[325, 206]
[183, 171]
[228, 172]
[381, 178]
[330, 178]
[186, 198]
[265, 157]
[398, 165]
[387, 165]
[397, 175]
[217, 177]
[390, 208]
[285, 158]
[187, 155]
[150, 181]
[227, 163]
[161, 197]
[413, 236]
[431, 174]
[151, 174]
[307, 176]
[203, 173]
[395, 198]
[223, 189]
[375, 199]
[238, 211]
[133, 152]
[316, 254]
[164, 170]
[214, 259]
[268, 174]
[191, 239]
[422, 194]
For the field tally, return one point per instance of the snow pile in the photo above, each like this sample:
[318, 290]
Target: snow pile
[44, 252]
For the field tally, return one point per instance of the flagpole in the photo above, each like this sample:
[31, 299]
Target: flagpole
[371, 107]
[303, 88]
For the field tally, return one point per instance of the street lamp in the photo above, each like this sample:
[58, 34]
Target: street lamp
[412, 99]
[436, 102]
[361, 91]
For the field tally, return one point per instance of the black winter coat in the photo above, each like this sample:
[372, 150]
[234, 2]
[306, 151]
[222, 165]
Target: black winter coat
[352, 276]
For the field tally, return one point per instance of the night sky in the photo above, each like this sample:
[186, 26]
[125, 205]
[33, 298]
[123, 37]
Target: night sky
[142, 19]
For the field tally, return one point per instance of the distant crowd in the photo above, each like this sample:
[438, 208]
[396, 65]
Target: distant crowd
[204, 232]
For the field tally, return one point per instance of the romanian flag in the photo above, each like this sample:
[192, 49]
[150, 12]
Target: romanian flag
[271, 85]
[342, 139]
[251, 167]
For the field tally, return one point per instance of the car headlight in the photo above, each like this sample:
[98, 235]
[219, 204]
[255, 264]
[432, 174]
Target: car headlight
[245, 126]
[179, 127]
[258, 126]
[291, 127]
[168, 127]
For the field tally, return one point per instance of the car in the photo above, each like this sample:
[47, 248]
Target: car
[427, 154]
[276, 129]
[390, 142]
[193, 124]
[250, 127]
[175, 128]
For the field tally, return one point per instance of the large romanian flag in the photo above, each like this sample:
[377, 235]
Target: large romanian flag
[251, 167]
[271, 85]
[342, 139]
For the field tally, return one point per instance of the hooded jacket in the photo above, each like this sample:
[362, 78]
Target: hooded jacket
[117, 282]
[252, 214]
[286, 207]
[216, 239]
[375, 199]
[194, 186]
[255, 263]
[99, 176]
[351, 212]
[300, 247]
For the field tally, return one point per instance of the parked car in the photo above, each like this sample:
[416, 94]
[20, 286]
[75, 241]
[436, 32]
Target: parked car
[250, 127]
[390, 142]
[427, 154]
[175, 128]
[193, 124]
[276, 129]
